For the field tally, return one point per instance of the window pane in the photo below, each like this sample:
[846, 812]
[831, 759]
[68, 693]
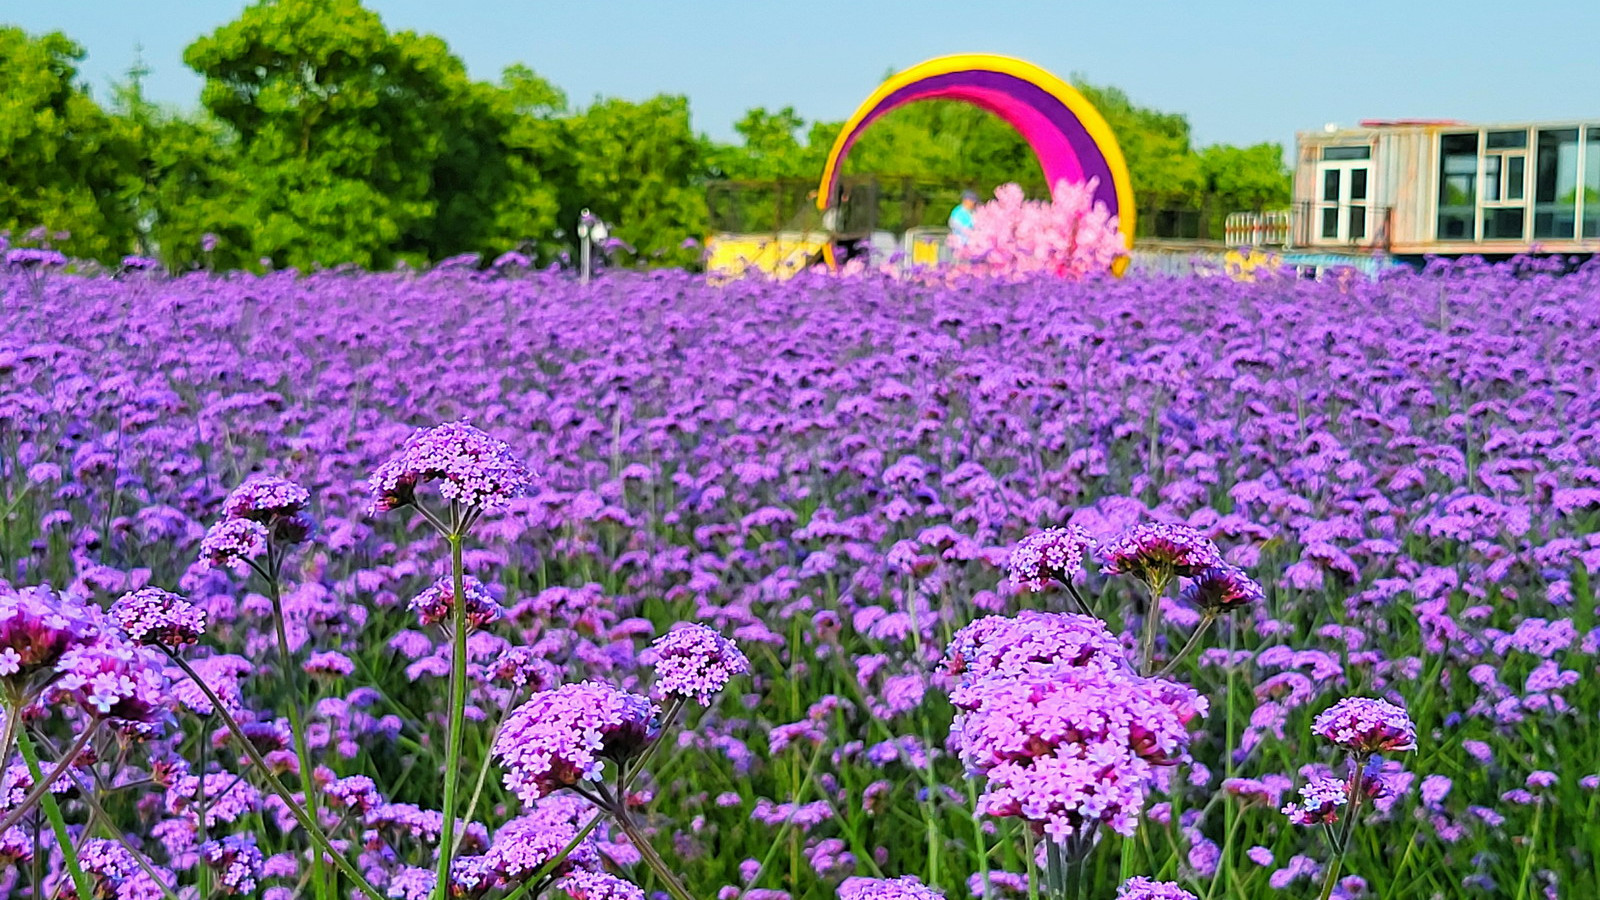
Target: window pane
[1330, 185]
[1516, 175]
[1346, 152]
[1358, 184]
[1503, 224]
[1491, 179]
[1358, 223]
[1506, 140]
[1330, 222]
[1555, 184]
[1591, 184]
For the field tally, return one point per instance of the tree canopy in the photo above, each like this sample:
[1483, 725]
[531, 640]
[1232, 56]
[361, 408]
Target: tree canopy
[323, 137]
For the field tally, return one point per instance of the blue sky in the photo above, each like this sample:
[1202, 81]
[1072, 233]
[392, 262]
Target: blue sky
[1242, 72]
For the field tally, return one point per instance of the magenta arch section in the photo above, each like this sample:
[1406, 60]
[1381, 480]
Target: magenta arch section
[1065, 148]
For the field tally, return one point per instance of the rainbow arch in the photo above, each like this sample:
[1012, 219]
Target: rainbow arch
[1067, 134]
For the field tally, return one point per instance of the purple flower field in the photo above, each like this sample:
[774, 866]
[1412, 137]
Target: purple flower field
[1316, 620]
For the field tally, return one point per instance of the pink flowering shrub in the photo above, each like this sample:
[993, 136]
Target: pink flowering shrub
[1070, 236]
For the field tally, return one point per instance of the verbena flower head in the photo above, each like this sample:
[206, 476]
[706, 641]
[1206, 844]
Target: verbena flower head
[434, 606]
[155, 617]
[1055, 554]
[115, 873]
[277, 503]
[1156, 551]
[472, 469]
[1068, 749]
[1029, 642]
[1367, 725]
[35, 258]
[582, 885]
[237, 861]
[522, 846]
[1221, 589]
[266, 498]
[118, 682]
[231, 543]
[563, 736]
[906, 887]
[221, 673]
[694, 662]
[1321, 802]
[1141, 888]
[37, 626]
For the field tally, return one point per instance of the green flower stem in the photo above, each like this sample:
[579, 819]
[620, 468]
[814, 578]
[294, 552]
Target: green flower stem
[1028, 844]
[1189, 645]
[312, 827]
[291, 677]
[458, 705]
[483, 769]
[12, 710]
[97, 813]
[41, 785]
[52, 811]
[674, 707]
[648, 853]
[1152, 624]
[1357, 766]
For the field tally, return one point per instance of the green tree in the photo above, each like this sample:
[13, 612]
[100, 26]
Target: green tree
[641, 168]
[65, 164]
[342, 126]
[1246, 178]
[499, 182]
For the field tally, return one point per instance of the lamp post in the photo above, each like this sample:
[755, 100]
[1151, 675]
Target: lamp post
[591, 231]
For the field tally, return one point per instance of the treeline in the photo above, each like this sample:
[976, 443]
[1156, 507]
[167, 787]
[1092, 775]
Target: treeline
[325, 138]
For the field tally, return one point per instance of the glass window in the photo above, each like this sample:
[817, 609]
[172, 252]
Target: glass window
[1330, 222]
[1591, 184]
[1503, 223]
[1516, 176]
[1358, 223]
[1362, 152]
[1555, 184]
[1458, 187]
[1491, 179]
[1506, 140]
[1358, 184]
[1330, 186]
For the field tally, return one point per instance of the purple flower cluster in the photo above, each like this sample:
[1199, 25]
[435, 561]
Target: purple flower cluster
[1141, 888]
[1157, 551]
[693, 662]
[1032, 642]
[585, 885]
[1364, 725]
[561, 737]
[1052, 555]
[473, 470]
[37, 626]
[1071, 748]
[278, 504]
[1222, 589]
[233, 543]
[237, 862]
[906, 887]
[434, 606]
[120, 683]
[155, 617]
[1321, 802]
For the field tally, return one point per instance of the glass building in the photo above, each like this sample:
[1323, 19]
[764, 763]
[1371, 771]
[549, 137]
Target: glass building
[1439, 187]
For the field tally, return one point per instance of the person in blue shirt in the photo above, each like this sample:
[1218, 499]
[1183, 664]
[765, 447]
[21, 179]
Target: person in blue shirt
[961, 217]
